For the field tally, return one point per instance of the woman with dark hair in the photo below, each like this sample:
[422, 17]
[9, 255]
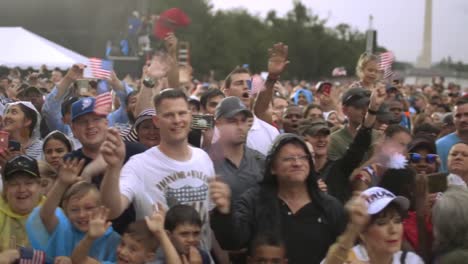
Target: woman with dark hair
[287, 202]
[376, 219]
[56, 145]
[21, 120]
[144, 130]
[418, 225]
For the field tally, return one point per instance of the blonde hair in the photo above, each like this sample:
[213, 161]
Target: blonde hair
[363, 60]
[78, 190]
[46, 171]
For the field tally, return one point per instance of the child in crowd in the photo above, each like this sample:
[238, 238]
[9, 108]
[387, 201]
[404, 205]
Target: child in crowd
[139, 242]
[184, 225]
[267, 248]
[57, 232]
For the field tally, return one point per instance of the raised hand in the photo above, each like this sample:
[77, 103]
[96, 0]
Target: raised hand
[98, 223]
[160, 66]
[70, 170]
[155, 222]
[170, 42]
[357, 209]
[220, 193]
[75, 72]
[277, 59]
[113, 148]
[115, 82]
[378, 97]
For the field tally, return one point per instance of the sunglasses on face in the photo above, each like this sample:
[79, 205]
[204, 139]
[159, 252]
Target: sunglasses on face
[416, 158]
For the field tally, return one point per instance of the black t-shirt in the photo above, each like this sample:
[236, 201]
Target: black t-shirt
[128, 216]
[307, 233]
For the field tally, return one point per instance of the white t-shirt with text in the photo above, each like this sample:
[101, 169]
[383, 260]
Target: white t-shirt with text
[152, 177]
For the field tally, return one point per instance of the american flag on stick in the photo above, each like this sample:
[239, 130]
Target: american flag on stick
[103, 104]
[32, 256]
[98, 69]
[385, 63]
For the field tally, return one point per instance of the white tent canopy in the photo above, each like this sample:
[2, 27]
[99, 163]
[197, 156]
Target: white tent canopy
[22, 48]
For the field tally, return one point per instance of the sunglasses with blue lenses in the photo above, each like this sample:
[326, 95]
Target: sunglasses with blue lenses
[416, 158]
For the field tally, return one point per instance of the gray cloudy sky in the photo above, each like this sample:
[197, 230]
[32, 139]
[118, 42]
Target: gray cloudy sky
[399, 22]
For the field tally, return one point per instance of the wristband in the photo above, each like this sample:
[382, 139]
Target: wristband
[372, 112]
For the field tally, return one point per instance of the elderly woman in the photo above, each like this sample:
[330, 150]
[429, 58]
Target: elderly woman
[457, 165]
[287, 202]
[376, 219]
[22, 192]
[450, 219]
[21, 120]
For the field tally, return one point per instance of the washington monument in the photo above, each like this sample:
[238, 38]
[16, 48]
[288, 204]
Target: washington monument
[425, 58]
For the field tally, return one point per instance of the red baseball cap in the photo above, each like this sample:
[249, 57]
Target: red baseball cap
[169, 20]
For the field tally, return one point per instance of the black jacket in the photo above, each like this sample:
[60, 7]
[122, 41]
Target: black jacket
[259, 211]
[336, 173]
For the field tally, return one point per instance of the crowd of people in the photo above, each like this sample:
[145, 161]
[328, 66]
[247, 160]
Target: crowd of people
[243, 170]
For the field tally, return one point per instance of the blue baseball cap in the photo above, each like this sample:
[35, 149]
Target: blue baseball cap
[82, 107]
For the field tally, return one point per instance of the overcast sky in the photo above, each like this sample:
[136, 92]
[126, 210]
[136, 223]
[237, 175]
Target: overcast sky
[399, 22]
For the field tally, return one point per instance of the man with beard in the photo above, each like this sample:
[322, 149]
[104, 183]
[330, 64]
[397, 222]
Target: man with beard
[292, 117]
[460, 119]
[238, 165]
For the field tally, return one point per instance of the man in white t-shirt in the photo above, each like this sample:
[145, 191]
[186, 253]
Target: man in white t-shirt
[171, 173]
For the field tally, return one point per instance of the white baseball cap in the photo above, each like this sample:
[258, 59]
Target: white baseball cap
[379, 198]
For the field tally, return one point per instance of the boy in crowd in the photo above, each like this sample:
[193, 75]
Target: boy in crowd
[139, 242]
[183, 225]
[267, 248]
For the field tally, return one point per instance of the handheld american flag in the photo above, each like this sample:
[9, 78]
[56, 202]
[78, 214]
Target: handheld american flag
[98, 69]
[32, 256]
[385, 63]
[103, 104]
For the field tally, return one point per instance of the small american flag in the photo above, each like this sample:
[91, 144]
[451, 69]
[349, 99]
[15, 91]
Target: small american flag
[31, 256]
[103, 104]
[385, 64]
[339, 71]
[99, 69]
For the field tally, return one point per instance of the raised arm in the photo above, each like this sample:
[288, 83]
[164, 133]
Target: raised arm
[171, 46]
[73, 74]
[156, 71]
[358, 219]
[113, 152]
[277, 61]
[98, 225]
[155, 224]
[68, 175]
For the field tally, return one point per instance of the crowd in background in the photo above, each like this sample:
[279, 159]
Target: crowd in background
[250, 169]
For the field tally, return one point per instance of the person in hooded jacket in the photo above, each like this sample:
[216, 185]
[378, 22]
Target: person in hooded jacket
[287, 202]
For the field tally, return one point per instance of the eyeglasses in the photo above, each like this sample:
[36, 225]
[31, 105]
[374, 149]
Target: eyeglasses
[416, 158]
[291, 159]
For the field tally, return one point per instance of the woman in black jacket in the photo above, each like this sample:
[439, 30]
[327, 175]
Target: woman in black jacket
[287, 202]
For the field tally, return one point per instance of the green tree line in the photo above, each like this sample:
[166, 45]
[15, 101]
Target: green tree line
[223, 39]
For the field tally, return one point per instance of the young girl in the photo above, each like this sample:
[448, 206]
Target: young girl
[57, 232]
[55, 146]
